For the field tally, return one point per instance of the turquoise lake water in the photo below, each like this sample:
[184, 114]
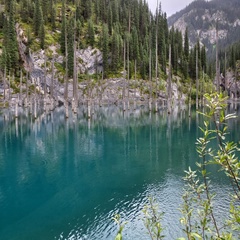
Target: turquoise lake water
[66, 179]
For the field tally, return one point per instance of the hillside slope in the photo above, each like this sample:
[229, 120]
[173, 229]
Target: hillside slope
[201, 18]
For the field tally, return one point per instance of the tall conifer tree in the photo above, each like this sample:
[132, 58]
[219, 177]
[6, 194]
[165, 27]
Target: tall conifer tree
[105, 48]
[63, 28]
[186, 44]
[37, 18]
[70, 42]
[42, 31]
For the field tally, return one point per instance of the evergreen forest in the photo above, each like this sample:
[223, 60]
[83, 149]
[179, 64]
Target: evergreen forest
[134, 42]
[117, 27]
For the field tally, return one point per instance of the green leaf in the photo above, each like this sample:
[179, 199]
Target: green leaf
[196, 235]
[118, 237]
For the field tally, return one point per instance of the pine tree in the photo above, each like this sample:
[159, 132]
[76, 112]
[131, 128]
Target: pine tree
[26, 10]
[42, 31]
[192, 65]
[115, 53]
[115, 12]
[3, 59]
[203, 58]
[53, 15]
[63, 28]
[70, 46]
[110, 20]
[233, 58]
[78, 11]
[163, 58]
[37, 18]
[135, 44]
[91, 34]
[185, 68]
[186, 45]
[45, 9]
[11, 58]
[105, 48]
[78, 32]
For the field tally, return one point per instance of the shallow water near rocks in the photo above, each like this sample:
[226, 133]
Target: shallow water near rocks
[66, 179]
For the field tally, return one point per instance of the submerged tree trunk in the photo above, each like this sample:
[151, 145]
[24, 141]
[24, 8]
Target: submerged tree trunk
[52, 79]
[169, 84]
[66, 75]
[197, 80]
[156, 94]
[35, 100]
[150, 78]
[75, 85]
[20, 98]
[9, 90]
[128, 50]
[190, 99]
[225, 77]
[202, 92]
[26, 103]
[217, 62]
[101, 90]
[124, 76]
[135, 90]
[4, 85]
[16, 107]
[45, 82]
[128, 83]
[89, 98]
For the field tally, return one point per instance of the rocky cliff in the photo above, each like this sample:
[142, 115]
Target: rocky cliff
[201, 18]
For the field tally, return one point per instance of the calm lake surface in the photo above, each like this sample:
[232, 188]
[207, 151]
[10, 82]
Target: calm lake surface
[66, 179]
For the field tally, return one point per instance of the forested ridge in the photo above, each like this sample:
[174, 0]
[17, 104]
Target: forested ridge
[129, 36]
[117, 27]
[202, 17]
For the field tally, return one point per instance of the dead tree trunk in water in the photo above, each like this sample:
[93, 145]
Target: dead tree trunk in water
[35, 99]
[202, 91]
[156, 94]
[128, 82]
[45, 82]
[4, 85]
[135, 91]
[197, 80]
[190, 99]
[52, 78]
[26, 90]
[100, 90]
[124, 76]
[16, 107]
[150, 74]
[225, 77]
[66, 75]
[20, 98]
[9, 90]
[169, 85]
[75, 85]
[128, 42]
[89, 98]
[217, 63]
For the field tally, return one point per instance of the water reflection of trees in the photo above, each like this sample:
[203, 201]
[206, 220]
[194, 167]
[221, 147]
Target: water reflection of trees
[78, 136]
[63, 152]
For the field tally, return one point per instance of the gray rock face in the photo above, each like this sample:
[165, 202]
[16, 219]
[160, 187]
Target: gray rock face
[200, 18]
[89, 60]
[23, 51]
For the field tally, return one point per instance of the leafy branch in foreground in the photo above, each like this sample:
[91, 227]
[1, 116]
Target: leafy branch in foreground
[198, 207]
[117, 220]
[152, 220]
[198, 218]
